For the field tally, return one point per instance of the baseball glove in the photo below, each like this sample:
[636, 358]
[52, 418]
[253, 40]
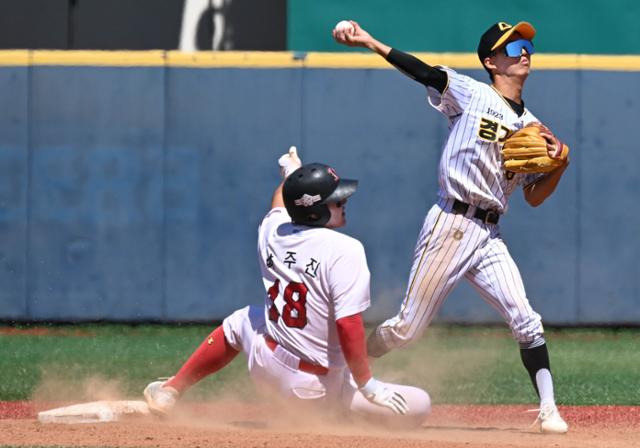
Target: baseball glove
[527, 150]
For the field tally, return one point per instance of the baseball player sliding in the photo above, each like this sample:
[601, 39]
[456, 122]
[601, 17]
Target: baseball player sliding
[460, 237]
[308, 341]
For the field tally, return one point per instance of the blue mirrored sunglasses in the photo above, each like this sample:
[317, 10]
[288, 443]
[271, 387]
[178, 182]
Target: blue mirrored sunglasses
[514, 49]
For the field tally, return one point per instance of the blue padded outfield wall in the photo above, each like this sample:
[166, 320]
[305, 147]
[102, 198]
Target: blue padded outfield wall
[135, 193]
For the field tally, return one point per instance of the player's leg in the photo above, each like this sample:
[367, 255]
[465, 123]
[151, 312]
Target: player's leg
[215, 352]
[442, 255]
[418, 403]
[497, 278]
[275, 369]
[271, 366]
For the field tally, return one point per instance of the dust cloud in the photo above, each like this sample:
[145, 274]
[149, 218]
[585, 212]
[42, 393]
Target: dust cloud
[57, 387]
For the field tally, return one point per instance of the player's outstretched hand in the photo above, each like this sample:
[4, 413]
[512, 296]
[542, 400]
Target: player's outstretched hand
[379, 393]
[356, 37]
[289, 162]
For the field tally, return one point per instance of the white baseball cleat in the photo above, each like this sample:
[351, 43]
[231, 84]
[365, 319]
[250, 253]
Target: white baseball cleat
[550, 420]
[160, 399]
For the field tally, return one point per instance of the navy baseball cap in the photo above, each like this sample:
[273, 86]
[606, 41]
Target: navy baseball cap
[498, 33]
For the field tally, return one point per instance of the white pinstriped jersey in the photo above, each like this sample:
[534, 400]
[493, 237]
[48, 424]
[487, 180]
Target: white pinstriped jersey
[313, 276]
[479, 121]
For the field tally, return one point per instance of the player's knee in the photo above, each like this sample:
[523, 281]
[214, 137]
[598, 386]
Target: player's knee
[237, 319]
[238, 325]
[399, 331]
[528, 331]
[419, 404]
[376, 346]
[529, 339]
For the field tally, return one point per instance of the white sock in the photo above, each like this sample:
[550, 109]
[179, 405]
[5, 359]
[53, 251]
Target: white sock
[545, 387]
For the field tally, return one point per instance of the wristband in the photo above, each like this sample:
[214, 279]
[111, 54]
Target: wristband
[369, 389]
[285, 171]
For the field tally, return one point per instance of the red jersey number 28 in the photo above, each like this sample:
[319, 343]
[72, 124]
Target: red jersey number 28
[294, 312]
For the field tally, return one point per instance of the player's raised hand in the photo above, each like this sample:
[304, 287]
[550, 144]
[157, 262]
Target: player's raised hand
[379, 393]
[289, 162]
[353, 36]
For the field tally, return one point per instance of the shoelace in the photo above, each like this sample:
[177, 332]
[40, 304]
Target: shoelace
[539, 411]
[538, 419]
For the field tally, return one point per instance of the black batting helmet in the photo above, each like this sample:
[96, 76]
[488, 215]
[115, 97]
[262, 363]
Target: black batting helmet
[309, 189]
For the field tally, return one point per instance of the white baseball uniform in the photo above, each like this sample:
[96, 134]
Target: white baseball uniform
[312, 276]
[453, 245]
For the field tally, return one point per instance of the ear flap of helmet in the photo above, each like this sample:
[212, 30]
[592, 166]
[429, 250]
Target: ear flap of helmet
[315, 216]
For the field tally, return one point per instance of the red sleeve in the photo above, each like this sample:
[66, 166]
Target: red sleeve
[352, 342]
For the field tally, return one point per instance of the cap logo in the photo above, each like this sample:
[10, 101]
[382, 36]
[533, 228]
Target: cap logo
[333, 173]
[307, 200]
[504, 26]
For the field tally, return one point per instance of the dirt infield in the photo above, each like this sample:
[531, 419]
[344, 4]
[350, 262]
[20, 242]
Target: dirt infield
[229, 424]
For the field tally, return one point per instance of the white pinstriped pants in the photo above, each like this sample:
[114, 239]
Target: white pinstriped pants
[450, 247]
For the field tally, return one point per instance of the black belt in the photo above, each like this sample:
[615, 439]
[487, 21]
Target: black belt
[486, 216]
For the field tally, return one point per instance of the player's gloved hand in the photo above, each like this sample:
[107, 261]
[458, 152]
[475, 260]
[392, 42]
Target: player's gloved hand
[289, 162]
[554, 146]
[379, 393]
[534, 149]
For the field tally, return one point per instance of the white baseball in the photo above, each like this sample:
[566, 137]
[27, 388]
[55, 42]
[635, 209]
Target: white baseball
[346, 26]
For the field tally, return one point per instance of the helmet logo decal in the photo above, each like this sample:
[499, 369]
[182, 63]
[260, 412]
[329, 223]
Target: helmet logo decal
[333, 173]
[307, 200]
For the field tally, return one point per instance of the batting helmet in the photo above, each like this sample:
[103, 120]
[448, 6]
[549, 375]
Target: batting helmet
[309, 189]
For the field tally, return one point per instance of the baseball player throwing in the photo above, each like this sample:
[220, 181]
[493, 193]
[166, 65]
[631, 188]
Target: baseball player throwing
[460, 237]
[307, 342]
